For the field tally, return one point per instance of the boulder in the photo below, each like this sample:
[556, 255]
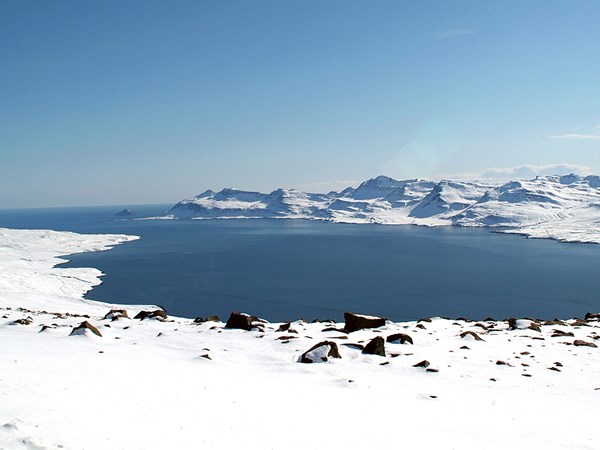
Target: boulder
[592, 316]
[423, 364]
[375, 347]
[82, 329]
[158, 314]
[560, 333]
[320, 352]
[199, 319]
[580, 343]
[399, 338]
[355, 322]
[471, 334]
[115, 314]
[243, 321]
[23, 321]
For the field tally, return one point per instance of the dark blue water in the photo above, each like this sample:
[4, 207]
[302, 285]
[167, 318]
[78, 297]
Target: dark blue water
[287, 269]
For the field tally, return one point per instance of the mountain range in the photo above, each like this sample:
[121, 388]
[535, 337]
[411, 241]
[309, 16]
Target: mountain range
[565, 208]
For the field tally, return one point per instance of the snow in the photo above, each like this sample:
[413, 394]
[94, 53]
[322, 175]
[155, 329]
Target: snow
[558, 207]
[157, 384]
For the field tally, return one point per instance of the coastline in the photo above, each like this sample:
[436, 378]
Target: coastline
[159, 383]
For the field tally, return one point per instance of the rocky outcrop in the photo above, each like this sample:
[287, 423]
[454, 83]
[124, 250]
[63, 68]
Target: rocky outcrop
[375, 347]
[157, 314]
[355, 322]
[320, 353]
[83, 328]
[243, 321]
[116, 314]
[399, 338]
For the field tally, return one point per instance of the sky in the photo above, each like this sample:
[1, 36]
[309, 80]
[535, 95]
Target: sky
[125, 102]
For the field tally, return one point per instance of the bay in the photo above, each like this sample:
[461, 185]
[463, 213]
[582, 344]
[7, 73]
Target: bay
[288, 269]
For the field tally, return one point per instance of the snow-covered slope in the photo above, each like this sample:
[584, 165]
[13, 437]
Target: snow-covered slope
[560, 207]
[175, 383]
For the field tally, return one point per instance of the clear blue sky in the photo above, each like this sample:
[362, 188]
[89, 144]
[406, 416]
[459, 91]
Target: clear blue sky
[114, 102]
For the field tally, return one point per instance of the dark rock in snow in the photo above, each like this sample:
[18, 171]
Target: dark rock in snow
[115, 314]
[158, 314]
[24, 321]
[512, 323]
[592, 316]
[355, 322]
[283, 327]
[243, 321]
[375, 347]
[199, 319]
[472, 334]
[320, 352]
[399, 337]
[82, 327]
[580, 343]
[560, 333]
[423, 363]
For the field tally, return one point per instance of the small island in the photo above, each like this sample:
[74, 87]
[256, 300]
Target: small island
[125, 213]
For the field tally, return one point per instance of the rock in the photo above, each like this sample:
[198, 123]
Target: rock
[535, 327]
[158, 314]
[512, 323]
[580, 343]
[125, 213]
[399, 338]
[198, 320]
[283, 327]
[472, 334]
[592, 316]
[489, 319]
[355, 322]
[556, 322]
[501, 363]
[425, 319]
[243, 321]
[115, 314]
[423, 363]
[82, 327]
[560, 333]
[421, 326]
[24, 321]
[320, 352]
[432, 370]
[375, 347]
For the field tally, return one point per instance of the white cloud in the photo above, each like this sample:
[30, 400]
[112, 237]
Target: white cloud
[523, 172]
[452, 33]
[577, 136]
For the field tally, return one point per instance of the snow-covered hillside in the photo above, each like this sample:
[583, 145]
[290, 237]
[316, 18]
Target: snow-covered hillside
[566, 208]
[74, 375]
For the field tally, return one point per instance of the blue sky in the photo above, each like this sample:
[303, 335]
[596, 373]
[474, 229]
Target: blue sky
[114, 102]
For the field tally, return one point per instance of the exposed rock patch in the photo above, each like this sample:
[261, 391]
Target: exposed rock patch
[355, 322]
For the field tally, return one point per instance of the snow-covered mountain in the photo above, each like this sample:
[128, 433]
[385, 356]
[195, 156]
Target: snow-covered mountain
[561, 207]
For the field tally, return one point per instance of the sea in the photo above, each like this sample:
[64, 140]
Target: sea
[282, 269]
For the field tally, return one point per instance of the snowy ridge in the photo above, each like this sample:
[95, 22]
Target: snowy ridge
[558, 207]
